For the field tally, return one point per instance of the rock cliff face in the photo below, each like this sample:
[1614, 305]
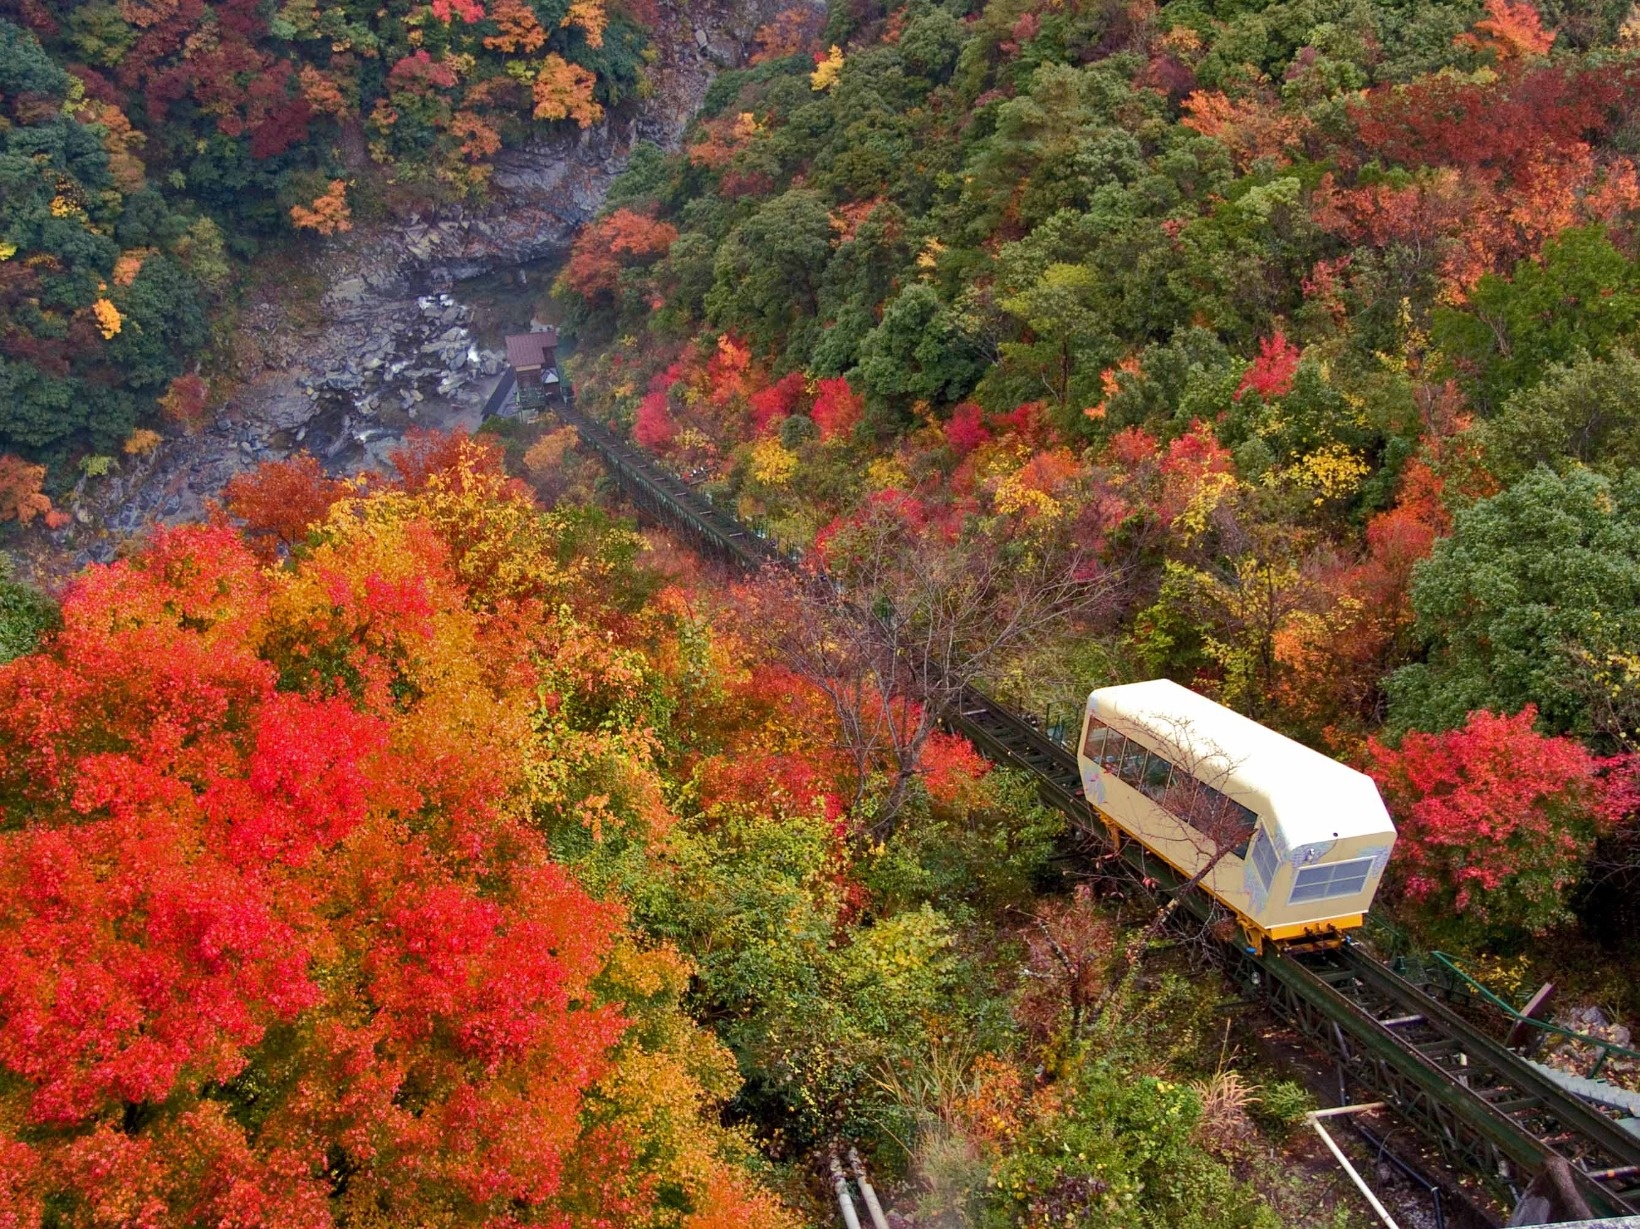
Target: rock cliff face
[544, 192]
[392, 345]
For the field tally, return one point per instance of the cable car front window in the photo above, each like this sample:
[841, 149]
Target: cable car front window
[1103, 745]
[1093, 742]
[1330, 879]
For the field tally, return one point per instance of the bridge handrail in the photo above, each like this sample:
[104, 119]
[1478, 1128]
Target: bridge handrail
[1453, 965]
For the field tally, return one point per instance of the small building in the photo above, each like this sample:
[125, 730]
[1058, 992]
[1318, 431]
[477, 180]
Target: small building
[533, 356]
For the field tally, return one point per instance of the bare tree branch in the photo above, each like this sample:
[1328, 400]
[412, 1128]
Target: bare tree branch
[911, 615]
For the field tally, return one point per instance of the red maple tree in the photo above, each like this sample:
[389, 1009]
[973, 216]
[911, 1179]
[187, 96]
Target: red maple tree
[1496, 820]
[1271, 373]
[278, 944]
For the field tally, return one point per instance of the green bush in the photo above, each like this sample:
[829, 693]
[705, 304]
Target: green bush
[26, 614]
[1281, 1106]
[1119, 1152]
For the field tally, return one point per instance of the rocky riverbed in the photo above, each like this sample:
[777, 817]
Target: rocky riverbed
[391, 344]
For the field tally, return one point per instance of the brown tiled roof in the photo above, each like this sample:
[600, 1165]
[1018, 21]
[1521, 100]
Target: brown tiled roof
[531, 349]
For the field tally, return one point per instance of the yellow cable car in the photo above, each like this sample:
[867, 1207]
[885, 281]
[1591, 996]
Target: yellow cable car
[1301, 840]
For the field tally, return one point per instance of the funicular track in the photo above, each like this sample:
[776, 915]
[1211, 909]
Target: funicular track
[1483, 1106]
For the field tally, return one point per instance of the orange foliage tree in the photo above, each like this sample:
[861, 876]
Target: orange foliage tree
[792, 32]
[621, 239]
[1510, 31]
[328, 214]
[279, 500]
[21, 498]
[564, 91]
[281, 939]
[1251, 127]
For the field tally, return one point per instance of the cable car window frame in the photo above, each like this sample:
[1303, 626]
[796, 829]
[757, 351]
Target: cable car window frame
[1095, 726]
[1323, 882]
[1264, 851]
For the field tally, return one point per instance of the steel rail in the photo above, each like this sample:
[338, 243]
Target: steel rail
[1485, 1108]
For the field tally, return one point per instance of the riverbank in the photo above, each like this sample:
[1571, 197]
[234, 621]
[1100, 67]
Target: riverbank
[341, 349]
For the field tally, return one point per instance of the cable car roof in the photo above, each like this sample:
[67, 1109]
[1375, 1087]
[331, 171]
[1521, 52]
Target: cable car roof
[1311, 797]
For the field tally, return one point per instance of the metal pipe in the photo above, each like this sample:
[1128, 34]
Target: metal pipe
[866, 1191]
[1314, 1119]
[1336, 1110]
[845, 1202]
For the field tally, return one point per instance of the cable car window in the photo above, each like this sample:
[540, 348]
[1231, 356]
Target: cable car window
[1132, 769]
[1183, 797]
[1097, 736]
[1330, 879]
[1157, 770]
[1264, 858]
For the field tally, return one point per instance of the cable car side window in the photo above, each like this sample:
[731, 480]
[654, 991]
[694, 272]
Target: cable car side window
[1330, 879]
[1222, 820]
[1183, 797]
[1156, 772]
[1132, 768]
[1264, 858]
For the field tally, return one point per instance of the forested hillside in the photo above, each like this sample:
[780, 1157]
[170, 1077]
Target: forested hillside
[407, 854]
[149, 147]
[1315, 321]
[433, 848]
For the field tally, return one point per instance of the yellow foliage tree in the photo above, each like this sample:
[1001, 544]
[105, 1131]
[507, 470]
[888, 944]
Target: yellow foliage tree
[564, 91]
[108, 317]
[772, 463]
[827, 71]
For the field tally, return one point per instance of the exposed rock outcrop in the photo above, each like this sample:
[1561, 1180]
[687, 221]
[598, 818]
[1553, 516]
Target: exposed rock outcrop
[392, 346]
